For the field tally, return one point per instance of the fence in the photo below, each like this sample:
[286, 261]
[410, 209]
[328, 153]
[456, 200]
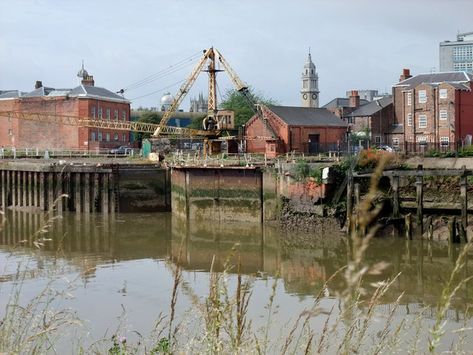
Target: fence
[15, 153]
[427, 148]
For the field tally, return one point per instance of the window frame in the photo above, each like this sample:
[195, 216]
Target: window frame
[422, 96]
[443, 117]
[421, 119]
[443, 94]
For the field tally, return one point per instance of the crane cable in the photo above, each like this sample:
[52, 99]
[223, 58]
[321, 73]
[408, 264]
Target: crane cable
[162, 73]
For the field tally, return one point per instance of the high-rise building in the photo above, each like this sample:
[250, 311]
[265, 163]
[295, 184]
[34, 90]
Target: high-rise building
[310, 85]
[457, 55]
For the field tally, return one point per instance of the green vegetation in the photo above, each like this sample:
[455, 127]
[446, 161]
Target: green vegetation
[302, 171]
[236, 101]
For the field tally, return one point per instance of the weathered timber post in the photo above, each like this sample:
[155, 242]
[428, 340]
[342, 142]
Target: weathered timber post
[50, 191]
[408, 226]
[357, 193]
[4, 190]
[452, 230]
[419, 199]
[349, 200]
[42, 182]
[464, 198]
[25, 188]
[462, 237]
[96, 193]
[430, 228]
[14, 188]
[396, 196]
[86, 193]
[105, 193]
[59, 189]
[35, 189]
[30, 189]
[77, 193]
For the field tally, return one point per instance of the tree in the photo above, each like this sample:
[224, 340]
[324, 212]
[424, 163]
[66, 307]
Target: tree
[147, 117]
[236, 101]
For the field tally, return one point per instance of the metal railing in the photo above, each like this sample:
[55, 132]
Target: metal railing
[46, 153]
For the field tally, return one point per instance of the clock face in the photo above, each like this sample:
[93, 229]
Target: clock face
[314, 96]
[304, 96]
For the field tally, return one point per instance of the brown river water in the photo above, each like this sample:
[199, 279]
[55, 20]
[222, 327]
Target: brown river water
[118, 269]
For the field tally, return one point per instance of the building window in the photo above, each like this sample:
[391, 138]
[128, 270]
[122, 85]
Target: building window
[422, 121]
[409, 119]
[108, 114]
[93, 137]
[92, 112]
[443, 93]
[124, 115]
[124, 137]
[444, 141]
[443, 114]
[422, 96]
[409, 98]
[377, 139]
[421, 140]
[396, 142]
[115, 137]
[107, 137]
[100, 112]
[99, 135]
[115, 114]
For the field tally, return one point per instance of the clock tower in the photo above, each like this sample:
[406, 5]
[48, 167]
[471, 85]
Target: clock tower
[310, 85]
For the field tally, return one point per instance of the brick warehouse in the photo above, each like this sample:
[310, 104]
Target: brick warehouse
[432, 110]
[85, 100]
[298, 129]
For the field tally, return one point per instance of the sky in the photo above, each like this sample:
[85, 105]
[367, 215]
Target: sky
[355, 44]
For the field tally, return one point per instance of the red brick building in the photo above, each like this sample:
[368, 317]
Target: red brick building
[85, 100]
[373, 121]
[432, 110]
[298, 129]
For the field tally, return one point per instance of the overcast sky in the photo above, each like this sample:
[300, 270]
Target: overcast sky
[355, 44]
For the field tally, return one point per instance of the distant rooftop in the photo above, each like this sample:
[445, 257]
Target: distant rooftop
[457, 77]
[342, 102]
[373, 107]
[307, 116]
[79, 91]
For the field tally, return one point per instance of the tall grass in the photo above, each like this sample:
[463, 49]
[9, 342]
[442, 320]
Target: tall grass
[220, 322]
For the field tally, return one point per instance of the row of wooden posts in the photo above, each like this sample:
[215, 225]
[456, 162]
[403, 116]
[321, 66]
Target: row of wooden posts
[82, 190]
[457, 229]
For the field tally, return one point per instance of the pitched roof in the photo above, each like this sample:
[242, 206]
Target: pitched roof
[436, 78]
[342, 102]
[11, 94]
[373, 107]
[96, 92]
[306, 116]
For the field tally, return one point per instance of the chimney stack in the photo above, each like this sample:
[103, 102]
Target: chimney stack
[354, 99]
[406, 74]
[38, 84]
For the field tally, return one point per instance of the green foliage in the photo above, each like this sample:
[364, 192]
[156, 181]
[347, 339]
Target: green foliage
[147, 117]
[302, 171]
[163, 347]
[236, 101]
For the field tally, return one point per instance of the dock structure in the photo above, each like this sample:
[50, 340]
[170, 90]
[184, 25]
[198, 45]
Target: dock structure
[83, 187]
[77, 188]
[460, 207]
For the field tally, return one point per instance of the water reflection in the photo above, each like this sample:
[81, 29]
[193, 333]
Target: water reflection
[304, 262]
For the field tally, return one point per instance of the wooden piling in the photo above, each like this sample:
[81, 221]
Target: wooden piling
[4, 190]
[14, 188]
[419, 201]
[105, 193]
[86, 193]
[25, 188]
[42, 192]
[59, 191]
[395, 187]
[50, 191]
[408, 226]
[349, 200]
[452, 230]
[77, 193]
[96, 193]
[464, 199]
[30, 188]
[430, 229]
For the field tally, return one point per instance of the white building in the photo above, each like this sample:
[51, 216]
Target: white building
[457, 55]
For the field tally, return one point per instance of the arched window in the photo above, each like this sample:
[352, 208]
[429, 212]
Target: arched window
[115, 137]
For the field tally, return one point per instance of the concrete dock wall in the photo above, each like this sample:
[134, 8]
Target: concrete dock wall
[222, 194]
[83, 188]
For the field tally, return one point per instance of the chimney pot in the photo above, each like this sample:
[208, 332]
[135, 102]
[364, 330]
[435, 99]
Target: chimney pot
[354, 100]
[38, 84]
[406, 74]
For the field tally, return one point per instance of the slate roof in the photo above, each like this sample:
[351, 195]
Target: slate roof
[373, 107]
[342, 102]
[305, 116]
[436, 78]
[95, 92]
[11, 94]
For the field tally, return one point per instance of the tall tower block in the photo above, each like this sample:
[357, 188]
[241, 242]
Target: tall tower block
[310, 84]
